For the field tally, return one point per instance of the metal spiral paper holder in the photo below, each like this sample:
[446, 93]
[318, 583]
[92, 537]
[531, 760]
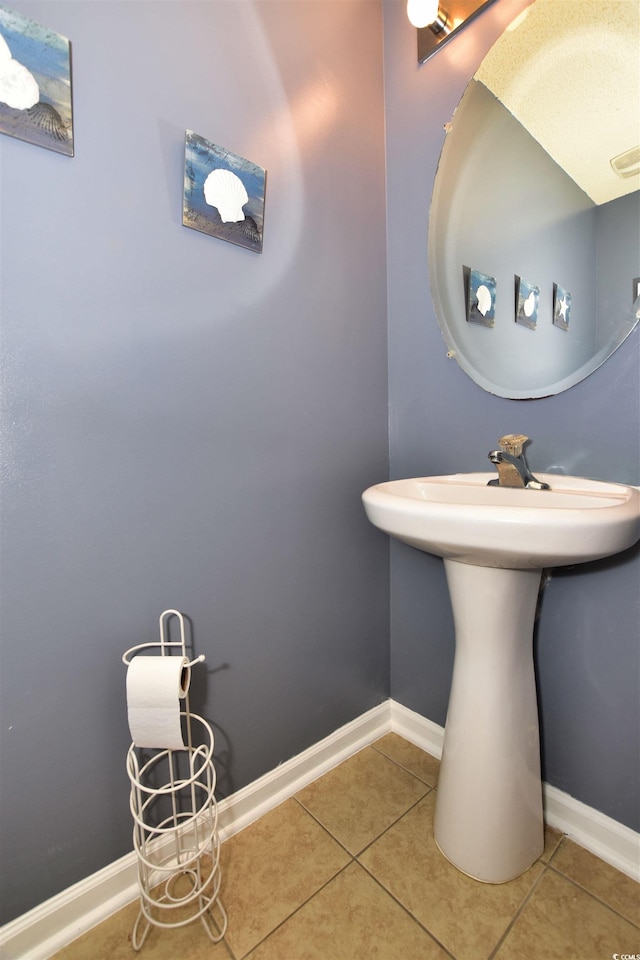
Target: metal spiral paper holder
[175, 817]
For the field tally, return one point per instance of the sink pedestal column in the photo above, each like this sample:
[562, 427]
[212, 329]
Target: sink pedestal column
[488, 819]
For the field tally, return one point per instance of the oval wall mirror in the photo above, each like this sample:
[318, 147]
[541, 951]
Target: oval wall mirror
[534, 230]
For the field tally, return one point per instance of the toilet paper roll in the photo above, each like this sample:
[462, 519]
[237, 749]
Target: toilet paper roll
[155, 686]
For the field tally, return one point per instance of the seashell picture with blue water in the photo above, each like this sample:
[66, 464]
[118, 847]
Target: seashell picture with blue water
[527, 302]
[35, 84]
[480, 297]
[223, 193]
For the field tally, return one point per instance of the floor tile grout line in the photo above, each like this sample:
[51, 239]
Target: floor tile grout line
[401, 766]
[355, 859]
[590, 893]
[392, 825]
[378, 836]
[406, 909]
[398, 763]
[520, 909]
[225, 943]
[324, 827]
[421, 924]
[247, 956]
[229, 948]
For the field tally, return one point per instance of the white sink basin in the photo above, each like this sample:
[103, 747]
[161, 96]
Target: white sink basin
[459, 517]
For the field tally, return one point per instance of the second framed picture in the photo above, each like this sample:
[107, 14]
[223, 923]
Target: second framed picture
[527, 302]
[223, 193]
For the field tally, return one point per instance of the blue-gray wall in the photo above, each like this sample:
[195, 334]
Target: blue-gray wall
[587, 640]
[187, 423]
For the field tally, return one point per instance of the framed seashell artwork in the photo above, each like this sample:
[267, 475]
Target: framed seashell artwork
[480, 297]
[35, 84]
[223, 193]
[527, 302]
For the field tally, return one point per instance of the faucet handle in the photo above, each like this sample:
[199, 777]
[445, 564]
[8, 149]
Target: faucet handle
[513, 443]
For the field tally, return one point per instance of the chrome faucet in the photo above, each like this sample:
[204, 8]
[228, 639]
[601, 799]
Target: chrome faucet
[513, 470]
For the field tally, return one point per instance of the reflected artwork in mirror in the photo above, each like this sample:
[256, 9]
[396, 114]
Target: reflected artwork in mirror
[528, 155]
[480, 291]
[561, 307]
[527, 301]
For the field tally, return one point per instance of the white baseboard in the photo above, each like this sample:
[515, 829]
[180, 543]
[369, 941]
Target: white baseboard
[611, 841]
[426, 734]
[52, 925]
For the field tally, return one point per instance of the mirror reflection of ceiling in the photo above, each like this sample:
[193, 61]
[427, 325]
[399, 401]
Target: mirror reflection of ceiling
[582, 56]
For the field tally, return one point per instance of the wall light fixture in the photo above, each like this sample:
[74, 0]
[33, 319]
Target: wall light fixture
[437, 24]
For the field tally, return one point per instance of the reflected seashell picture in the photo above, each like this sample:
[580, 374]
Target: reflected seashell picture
[480, 297]
[223, 193]
[527, 302]
[35, 84]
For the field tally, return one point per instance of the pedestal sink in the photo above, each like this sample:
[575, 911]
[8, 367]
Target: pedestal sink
[495, 541]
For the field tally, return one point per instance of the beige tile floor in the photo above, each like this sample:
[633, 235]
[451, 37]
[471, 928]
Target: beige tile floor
[348, 870]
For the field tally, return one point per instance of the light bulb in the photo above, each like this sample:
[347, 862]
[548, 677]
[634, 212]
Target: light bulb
[422, 12]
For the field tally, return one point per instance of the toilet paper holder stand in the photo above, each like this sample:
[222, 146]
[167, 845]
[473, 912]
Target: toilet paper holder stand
[175, 832]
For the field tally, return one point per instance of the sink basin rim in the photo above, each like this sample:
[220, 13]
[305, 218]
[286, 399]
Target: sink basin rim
[473, 489]
[459, 517]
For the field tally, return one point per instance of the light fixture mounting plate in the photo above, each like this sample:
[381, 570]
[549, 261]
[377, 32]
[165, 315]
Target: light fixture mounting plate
[459, 13]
